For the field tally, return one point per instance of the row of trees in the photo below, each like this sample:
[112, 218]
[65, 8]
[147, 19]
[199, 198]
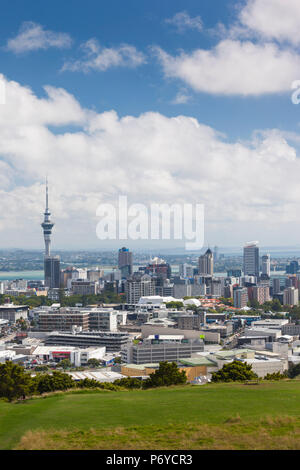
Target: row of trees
[16, 383]
[106, 297]
[238, 371]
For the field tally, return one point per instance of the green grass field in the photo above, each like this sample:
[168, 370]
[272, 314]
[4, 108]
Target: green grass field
[213, 416]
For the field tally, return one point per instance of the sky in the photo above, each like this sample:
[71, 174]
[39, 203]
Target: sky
[165, 102]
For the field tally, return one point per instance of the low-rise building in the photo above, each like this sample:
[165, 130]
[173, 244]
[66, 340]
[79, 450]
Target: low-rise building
[12, 312]
[291, 329]
[63, 320]
[113, 341]
[100, 376]
[271, 323]
[158, 350]
[77, 357]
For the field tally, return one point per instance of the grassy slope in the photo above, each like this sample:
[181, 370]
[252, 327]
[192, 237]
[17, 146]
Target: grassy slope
[212, 405]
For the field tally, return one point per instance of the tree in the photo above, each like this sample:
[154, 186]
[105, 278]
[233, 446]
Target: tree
[21, 323]
[194, 308]
[294, 371]
[227, 301]
[14, 381]
[65, 364]
[93, 362]
[52, 382]
[41, 368]
[253, 303]
[276, 305]
[61, 294]
[167, 374]
[175, 304]
[235, 371]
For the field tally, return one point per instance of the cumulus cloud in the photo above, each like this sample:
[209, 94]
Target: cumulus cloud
[256, 55]
[103, 58]
[33, 36]
[234, 68]
[271, 19]
[183, 21]
[105, 156]
[182, 97]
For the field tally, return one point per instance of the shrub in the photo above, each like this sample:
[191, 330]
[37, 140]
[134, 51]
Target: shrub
[235, 371]
[275, 376]
[167, 374]
[129, 382]
[50, 383]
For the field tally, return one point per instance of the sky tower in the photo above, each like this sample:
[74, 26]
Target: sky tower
[47, 225]
[51, 263]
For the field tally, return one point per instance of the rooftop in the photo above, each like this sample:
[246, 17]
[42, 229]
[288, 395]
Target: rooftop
[198, 361]
[100, 376]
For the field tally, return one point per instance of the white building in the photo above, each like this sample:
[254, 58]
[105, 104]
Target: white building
[157, 300]
[290, 296]
[100, 376]
[266, 265]
[271, 323]
[103, 319]
[78, 357]
[240, 297]
[264, 365]
[139, 286]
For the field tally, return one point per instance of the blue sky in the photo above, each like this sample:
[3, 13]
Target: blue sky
[225, 65]
[134, 91]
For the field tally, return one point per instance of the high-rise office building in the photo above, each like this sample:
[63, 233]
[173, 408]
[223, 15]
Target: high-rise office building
[51, 263]
[52, 271]
[125, 262]
[186, 270]
[240, 297]
[266, 265]
[292, 268]
[259, 293]
[139, 286]
[290, 296]
[276, 285]
[159, 267]
[251, 259]
[206, 263]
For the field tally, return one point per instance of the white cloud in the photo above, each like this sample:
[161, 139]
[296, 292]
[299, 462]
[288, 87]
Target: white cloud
[182, 97]
[272, 19]
[179, 159]
[103, 58]
[234, 68]
[182, 21]
[33, 36]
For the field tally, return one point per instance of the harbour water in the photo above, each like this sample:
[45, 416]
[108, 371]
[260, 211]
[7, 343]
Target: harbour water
[39, 275]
